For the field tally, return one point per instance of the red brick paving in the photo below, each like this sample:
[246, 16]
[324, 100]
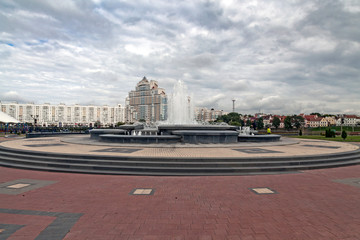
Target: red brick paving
[307, 205]
[33, 225]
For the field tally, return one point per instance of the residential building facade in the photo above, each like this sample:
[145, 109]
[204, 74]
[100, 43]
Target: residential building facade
[64, 115]
[351, 120]
[146, 103]
[312, 120]
[206, 115]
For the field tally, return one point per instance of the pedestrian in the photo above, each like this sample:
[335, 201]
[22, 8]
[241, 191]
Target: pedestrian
[268, 131]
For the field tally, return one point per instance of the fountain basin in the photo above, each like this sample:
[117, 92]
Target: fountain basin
[168, 129]
[206, 136]
[259, 138]
[132, 127]
[142, 139]
[95, 133]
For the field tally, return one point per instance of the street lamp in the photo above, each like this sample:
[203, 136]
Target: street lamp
[35, 117]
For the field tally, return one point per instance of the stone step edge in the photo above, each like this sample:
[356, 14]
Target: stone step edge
[106, 157]
[134, 163]
[146, 168]
[149, 173]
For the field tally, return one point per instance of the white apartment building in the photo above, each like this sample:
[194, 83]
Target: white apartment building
[348, 120]
[206, 115]
[64, 115]
[351, 120]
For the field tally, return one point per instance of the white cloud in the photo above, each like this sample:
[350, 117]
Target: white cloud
[315, 44]
[351, 6]
[269, 55]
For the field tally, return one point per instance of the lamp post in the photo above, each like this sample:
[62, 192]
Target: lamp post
[35, 117]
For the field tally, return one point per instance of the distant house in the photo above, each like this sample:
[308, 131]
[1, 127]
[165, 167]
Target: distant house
[282, 118]
[323, 122]
[347, 120]
[312, 121]
[331, 121]
[351, 120]
[267, 119]
[282, 124]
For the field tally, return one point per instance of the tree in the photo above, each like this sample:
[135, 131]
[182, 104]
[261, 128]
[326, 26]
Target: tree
[223, 118]
[232, 118]
[315, 113]
[242, 122]
[329, 133]
[276, 122]
[291, 121]
[233, 123]
[248, 122]
[287, 123]
[344, 135]
[298, 121]
[254, 125]
[260, 123]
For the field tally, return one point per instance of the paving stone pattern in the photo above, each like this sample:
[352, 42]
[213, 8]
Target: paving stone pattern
[349, 181]
[45, 145]
[256, 150]
[118, 150]
[54, 231]
[19, 186]
[58, 146]
[308, 205]
[39, 140]
[320, 146]
[6, 230]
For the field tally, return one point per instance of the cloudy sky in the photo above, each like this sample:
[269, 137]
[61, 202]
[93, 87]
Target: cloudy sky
[271, 56]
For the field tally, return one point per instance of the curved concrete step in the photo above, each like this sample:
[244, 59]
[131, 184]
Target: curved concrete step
[188, 172]
[50, 155]
[168, 166]
[33, 159]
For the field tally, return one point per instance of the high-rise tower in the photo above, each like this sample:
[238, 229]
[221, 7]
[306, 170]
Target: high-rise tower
[147, 103]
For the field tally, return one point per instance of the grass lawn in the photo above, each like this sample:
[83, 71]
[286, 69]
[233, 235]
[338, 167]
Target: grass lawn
[337, 128]
[337, 138]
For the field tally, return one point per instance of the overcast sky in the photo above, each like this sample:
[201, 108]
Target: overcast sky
[271, 56]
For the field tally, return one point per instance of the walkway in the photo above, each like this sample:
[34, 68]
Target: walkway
[316, 204]
[83, 145]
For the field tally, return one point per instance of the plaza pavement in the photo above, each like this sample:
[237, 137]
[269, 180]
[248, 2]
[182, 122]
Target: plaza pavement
[84, 145]
[314, 204]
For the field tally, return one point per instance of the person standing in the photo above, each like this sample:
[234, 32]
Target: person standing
[268, 130]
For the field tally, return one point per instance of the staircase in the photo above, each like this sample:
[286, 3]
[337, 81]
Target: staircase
[125, 165]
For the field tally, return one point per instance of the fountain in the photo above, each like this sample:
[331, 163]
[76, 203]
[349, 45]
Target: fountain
[180, 107]
[180, 127]
[181, 121]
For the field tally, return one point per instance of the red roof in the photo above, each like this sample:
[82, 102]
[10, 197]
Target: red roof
[312, 118]
[350, 116]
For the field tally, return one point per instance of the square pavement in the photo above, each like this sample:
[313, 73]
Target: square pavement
[22, 185]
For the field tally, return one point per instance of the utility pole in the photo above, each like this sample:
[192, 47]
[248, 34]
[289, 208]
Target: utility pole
[233, 105]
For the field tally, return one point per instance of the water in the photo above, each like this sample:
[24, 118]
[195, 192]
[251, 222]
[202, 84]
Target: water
[180, 106]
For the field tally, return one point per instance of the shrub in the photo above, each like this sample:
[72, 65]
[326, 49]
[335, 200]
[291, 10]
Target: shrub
[333, 133]
[329, 133]
[344, 134]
